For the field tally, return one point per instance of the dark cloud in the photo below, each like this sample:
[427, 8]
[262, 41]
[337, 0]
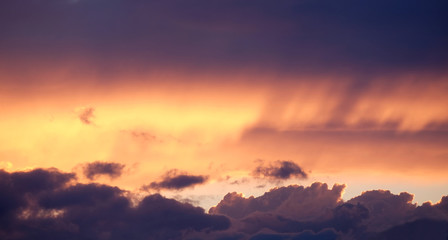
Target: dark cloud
[86, 115]
[79, 195]
[280, 170]
[40, 205]
[17, 187]
[39, 180]
[174, 180]
[49, 204]
[94, 169]
[172, 214]
[307, 235]
[296, 212]
[416, 230]
[296, 202]
[293, 35]
[386, 209]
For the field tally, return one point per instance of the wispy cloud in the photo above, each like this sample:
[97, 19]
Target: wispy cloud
[86, 115]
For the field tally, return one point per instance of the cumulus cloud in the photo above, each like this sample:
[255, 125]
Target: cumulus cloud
[95, 169]
[280, 170]
[175, 180]
[49, 204]
[297, 212]
[40, 204]
[387, 209]
[86, 115]
[436, 211]
[296, 202]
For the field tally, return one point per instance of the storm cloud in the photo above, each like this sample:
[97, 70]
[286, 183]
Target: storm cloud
[316, 212]
[110, 169]
[49, 204]
[40, 204]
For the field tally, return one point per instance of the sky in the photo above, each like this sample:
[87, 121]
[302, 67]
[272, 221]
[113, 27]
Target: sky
[223, 119]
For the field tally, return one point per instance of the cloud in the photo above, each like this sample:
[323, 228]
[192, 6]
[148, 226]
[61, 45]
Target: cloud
[16, 187]
[345, 218]
[174, 180]
[386, 209]
[280, 170]
[40, 204]
[416, 230]
[296, 212]
[309, 35]
[49, 204]
[306, 235]
[144, 136]
[86, 115]
[295, 202]
[95, 169]
[79, 195]
[437, 211]
[240, 181]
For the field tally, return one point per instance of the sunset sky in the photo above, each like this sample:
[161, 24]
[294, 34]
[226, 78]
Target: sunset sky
[193, 100]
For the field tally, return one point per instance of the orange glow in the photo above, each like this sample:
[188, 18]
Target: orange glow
[206, 124]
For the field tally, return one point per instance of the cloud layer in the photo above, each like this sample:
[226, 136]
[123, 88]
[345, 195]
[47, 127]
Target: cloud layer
[342, 86]
[41, 204]
[49, 204]
[316, 212]
[290, 35]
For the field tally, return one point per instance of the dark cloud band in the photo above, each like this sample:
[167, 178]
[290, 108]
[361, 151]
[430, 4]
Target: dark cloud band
[174, 180]
[40, 205]
[291, 35]
[49, 204]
